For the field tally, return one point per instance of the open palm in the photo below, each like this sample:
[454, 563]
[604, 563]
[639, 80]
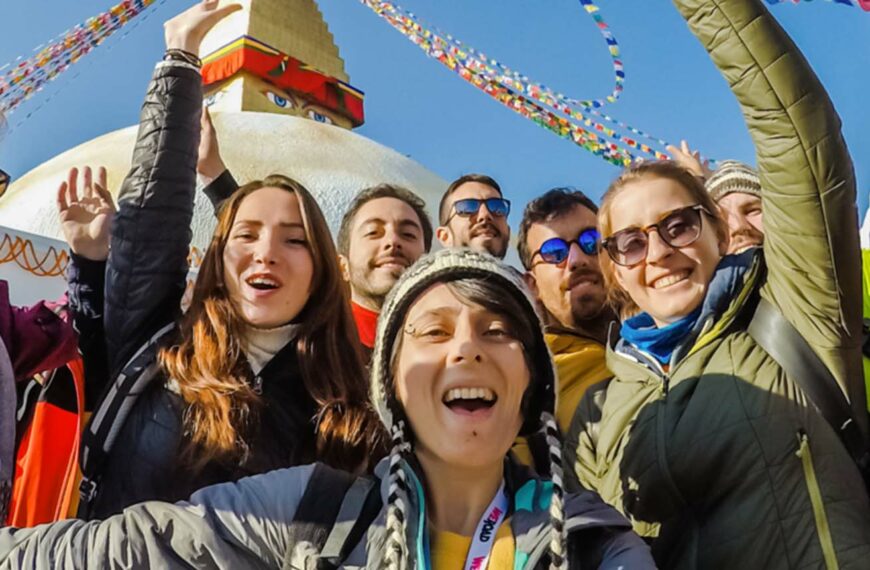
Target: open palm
[86, 214]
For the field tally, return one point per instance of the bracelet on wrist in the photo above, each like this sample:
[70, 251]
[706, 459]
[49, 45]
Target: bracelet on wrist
[181, 55]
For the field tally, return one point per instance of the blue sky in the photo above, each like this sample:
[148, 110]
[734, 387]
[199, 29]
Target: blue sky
[424, 111]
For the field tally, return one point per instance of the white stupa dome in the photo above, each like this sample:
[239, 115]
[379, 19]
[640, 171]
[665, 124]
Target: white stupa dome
[333, 163]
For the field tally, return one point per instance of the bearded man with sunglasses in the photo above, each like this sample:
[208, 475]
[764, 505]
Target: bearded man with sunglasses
[558, 246]
[473, 213]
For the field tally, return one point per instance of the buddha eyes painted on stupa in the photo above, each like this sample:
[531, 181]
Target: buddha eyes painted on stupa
[280, 101]
[299, 107]
[319, 117]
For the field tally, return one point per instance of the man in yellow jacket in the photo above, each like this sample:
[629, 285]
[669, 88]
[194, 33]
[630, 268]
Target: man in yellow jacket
[558, 246]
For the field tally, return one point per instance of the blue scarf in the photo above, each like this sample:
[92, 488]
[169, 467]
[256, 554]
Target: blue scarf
[641, 331]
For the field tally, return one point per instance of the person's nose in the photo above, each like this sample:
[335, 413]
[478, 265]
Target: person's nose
[657, 249]
[464, 347]
[265, 249]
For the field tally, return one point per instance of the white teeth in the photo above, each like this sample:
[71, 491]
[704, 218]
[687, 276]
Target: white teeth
[469, 394]
[670, 279]
[263, 281]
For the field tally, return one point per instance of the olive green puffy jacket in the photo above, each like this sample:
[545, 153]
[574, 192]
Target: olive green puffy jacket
[723, 459]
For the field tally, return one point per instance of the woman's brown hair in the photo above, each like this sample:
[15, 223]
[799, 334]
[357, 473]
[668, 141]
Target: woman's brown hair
[667, 169]
[208, 363]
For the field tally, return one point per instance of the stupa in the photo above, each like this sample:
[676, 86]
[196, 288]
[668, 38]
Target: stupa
[281, 101]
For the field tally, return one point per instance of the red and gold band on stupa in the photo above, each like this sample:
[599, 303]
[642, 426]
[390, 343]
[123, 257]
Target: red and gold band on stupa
[247, 54]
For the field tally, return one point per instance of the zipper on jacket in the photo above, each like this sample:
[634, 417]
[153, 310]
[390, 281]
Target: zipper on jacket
[650, 364]
[258, 385]
[823, 529]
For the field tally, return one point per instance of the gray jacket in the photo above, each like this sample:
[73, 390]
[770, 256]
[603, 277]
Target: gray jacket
[250, 524]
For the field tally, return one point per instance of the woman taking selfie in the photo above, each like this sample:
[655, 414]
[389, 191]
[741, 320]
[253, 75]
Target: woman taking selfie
[263, 370]
[460, 368]
[705, 441]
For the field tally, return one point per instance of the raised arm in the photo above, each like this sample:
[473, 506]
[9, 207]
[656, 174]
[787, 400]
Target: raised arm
[85, 218]
[218, 182]
[147, 268]
[810, 216]
[234, 525]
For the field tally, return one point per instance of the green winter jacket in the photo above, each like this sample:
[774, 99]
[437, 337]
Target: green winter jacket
[723, 461]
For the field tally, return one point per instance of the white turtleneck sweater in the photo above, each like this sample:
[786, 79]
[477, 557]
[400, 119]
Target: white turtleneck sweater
[263, 344]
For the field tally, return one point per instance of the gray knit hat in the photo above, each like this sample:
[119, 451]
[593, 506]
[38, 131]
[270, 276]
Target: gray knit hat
[452, 265]
[733, 176]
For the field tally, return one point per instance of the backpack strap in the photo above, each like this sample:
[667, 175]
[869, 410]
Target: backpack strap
[778, 337]
[334, 513]
[111, 414]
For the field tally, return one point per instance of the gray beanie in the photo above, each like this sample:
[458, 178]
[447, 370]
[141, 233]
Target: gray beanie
[733, 176]
[444, 266]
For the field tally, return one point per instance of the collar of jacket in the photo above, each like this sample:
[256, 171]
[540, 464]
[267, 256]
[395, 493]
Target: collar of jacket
[529, 515]
[562, 340]
[733, 282]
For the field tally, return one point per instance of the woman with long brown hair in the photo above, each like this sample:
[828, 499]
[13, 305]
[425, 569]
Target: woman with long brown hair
[264, 370]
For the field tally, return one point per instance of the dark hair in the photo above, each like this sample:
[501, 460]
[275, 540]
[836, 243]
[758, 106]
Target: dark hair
[384, 191]
[205, 358]
[444, 209]
[545, 208]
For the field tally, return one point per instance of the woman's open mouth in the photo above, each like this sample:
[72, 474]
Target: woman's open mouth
[468, 401]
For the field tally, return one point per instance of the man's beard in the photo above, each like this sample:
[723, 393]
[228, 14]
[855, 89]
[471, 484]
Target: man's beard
[744, 238]
[496, 245]
[363, 282]
[591, 307]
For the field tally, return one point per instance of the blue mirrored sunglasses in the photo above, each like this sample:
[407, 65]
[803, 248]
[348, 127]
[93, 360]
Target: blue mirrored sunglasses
[556, 250]
[470, 206]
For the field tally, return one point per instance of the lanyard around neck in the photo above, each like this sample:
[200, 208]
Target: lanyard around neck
[484, 536]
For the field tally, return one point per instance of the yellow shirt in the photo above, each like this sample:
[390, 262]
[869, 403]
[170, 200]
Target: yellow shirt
[579, 364]
[449, 550]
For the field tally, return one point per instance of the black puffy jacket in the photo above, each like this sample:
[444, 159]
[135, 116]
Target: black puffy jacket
[145, 280]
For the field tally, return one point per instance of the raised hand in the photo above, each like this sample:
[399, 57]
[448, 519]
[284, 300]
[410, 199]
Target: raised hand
[690, 160]
[186, 30]
[209, 165]
[86, 216]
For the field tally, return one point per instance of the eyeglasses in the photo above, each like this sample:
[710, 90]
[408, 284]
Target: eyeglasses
[468, 207]
[556, 250]
[5, 179]
[679, 228]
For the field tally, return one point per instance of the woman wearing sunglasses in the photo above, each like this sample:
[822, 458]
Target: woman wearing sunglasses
[705, 442]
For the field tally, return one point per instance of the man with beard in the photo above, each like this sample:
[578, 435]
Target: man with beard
[383, 232]
[473, 213]
[558, 246]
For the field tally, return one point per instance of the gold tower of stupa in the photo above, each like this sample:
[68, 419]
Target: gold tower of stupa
[278, 56]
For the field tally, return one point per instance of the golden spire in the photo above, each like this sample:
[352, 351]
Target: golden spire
[295, 28]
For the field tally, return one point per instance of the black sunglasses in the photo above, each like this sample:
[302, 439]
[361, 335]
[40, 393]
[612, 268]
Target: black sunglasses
[468, 207]
[679, 228]
[556, 250]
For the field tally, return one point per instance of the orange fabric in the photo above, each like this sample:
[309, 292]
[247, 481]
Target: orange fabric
[45, 485]
[286, 73]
